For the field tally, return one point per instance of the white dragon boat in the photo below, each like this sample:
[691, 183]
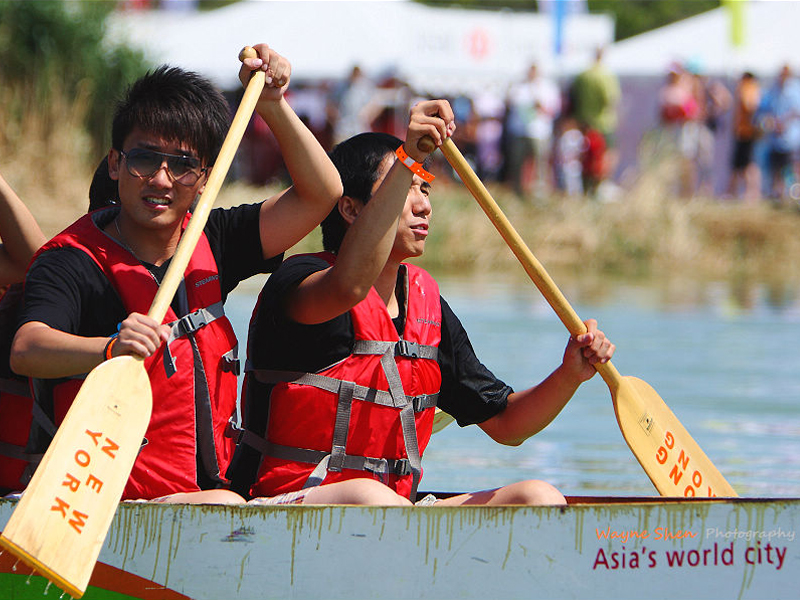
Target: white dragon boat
[594, 548]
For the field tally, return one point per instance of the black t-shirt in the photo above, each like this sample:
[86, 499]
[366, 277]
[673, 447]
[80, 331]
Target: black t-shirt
[66, 290]
[10, 304]
[470, 392]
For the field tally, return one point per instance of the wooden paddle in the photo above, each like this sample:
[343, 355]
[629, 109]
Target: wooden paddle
[63, 517]
[673, 461]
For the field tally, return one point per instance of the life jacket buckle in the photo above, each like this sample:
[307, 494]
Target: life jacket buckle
[233, 431]
[191, 322]
[231, 362]
[406, 349]
[403, 467]
[379, 467]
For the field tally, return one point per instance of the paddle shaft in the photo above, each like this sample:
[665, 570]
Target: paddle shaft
[529, 262]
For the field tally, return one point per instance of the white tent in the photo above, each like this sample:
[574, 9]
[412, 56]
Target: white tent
[770, 41]
[437, 50]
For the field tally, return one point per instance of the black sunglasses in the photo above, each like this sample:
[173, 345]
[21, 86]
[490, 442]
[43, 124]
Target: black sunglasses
[141, 162]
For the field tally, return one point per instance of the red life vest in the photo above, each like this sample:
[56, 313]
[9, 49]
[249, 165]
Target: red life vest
[16, 405]
[16, 410]
[371, 412]
[194, 384]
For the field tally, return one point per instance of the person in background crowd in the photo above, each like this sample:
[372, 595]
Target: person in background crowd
[713, 101]
[489, 113]
[594, 97]
[778, 117]
[678, 111]
[745, 174]
[533, 106]
[568, 156]
[353, 105]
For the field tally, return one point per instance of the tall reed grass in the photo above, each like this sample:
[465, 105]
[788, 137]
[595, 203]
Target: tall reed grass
[47, 156]
[645, 232]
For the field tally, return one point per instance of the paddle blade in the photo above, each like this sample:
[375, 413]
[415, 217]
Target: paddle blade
[441, 420]
[62, 519]
[673, 461]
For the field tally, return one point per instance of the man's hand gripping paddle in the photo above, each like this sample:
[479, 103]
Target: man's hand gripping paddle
[63, 517]
[673, 461]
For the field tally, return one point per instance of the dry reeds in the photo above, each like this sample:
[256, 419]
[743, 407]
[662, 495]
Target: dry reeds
[46, 155]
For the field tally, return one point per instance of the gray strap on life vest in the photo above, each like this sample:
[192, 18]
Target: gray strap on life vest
[17, 452]
[378, 466]
[341, 426]
[21, 388]
[204, 422]
[330, 384]
[43, 420]
[407, 421]
[399, 348]
[186, 325]
[15, 387]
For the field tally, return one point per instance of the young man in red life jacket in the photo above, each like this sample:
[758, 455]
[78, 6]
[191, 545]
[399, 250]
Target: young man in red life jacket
[351, 349]
[21, 237]
[88, 291]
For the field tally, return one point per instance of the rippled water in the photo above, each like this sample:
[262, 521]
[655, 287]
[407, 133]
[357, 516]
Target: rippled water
[724, 362]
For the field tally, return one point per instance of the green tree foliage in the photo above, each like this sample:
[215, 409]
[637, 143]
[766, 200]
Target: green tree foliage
[632, 16]
[637, 16]
[51, 47]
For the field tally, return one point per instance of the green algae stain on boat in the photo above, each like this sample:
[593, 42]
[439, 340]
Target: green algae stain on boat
[344, 552]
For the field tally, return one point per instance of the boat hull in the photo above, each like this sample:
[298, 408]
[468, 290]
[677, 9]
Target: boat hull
[593, 548]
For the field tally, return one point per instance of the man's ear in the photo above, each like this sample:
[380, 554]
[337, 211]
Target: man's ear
[205, 177]
[114, 158]
[349, 208]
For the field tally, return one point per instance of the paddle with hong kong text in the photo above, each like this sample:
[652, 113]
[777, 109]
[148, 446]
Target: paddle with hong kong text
[63, 517]
[673, 461]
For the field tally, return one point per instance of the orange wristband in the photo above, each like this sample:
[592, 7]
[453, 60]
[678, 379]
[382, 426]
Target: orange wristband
[109, 346]
[413, 165]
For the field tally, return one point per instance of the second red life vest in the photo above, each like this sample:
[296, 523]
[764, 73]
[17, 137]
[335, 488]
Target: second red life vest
[372, 412]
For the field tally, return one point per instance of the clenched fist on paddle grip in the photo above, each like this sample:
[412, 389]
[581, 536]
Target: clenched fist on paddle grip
[276, 68]
[139, 335]
[432, 121]
[585, 351]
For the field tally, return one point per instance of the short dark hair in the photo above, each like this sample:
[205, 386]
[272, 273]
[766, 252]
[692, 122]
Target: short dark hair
[357, 160]
[103, 190]
[177, 105]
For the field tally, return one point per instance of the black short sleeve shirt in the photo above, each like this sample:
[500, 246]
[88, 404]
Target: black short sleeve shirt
[470, 392]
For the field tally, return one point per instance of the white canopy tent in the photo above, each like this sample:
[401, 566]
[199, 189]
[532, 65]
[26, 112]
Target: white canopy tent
[770, 28]
[436, 50]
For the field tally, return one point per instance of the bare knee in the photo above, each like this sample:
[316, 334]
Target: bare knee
[369, 491]
[532, 492]
[203, 497]
[366, 492]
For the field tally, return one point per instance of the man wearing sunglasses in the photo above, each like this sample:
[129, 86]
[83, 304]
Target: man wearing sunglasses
[89, 290]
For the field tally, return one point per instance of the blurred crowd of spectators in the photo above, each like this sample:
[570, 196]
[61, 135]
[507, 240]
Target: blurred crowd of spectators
[541, 137]
[765, 132]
